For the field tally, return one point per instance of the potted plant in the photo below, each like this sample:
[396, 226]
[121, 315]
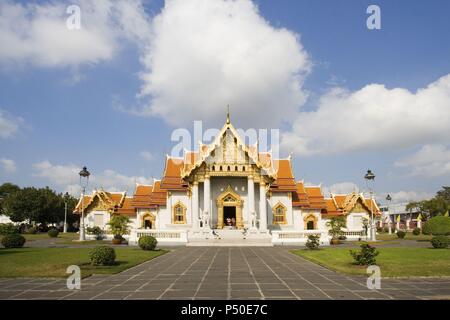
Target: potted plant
[119, 226]
[336, 224]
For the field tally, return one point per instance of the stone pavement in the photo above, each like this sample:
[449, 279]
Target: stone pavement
[226, 273]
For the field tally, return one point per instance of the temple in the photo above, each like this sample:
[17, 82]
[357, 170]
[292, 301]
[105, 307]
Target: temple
[228, 193]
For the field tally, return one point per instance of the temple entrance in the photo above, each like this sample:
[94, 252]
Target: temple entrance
[229, 216]
[229, 210]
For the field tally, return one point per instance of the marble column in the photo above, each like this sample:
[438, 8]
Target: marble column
[195, 205]
[251, 197]
[262, 207]
[207, 200]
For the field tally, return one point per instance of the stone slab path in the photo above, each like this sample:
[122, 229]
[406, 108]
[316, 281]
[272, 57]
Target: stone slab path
[226, 273]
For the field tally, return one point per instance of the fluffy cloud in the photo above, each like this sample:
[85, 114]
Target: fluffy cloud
[429, 161]
[206, 54]
[147, 155]
[340, 188]
[373, 117]
[37, 33]
[66, 177]
[405, 196]
[9, 166]
[9, 125]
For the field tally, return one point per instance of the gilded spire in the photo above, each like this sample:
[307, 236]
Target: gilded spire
[228, 114]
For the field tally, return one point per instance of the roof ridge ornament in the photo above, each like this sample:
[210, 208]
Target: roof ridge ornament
[228, 114]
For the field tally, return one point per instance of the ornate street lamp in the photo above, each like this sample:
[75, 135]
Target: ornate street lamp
[370, 177]
[66, 199]
[84, 180]
[389, 199]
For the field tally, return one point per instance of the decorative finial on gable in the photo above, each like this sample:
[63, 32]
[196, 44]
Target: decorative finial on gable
[228, 114]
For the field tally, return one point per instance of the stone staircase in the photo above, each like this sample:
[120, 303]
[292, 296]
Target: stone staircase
[230, 238]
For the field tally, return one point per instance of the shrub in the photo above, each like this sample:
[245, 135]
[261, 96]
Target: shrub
[401, 234]
[31, 230]
[147, 243]
[102, 255]
[439, 225]
[366, 256]
[342, 237]
[416, 231]
[53, 233]
[97, 231]
[379, 229]
[313, 242]
[440, 242]
[386, 229]
[8, 228]
[13, 241]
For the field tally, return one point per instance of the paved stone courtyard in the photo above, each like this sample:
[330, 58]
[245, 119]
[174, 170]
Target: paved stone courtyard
[226, 273]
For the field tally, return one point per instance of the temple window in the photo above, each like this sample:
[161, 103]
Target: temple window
[214, 168]
[179, 213]
[228, 168]
[279, 214]
[236, 168]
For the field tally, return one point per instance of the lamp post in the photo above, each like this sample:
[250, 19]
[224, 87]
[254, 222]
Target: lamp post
[389, 199]
[66, 199]
[84, 180]
[370, 177]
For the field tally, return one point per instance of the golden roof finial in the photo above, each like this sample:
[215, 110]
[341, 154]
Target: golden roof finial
[228, 114]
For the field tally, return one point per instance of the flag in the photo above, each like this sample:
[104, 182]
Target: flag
[446, 214]
[398, 218]
[419, 217]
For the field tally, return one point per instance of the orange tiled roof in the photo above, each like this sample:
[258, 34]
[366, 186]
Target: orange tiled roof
[284, 181]
[85, 202]
[299, 197]
[126, 208]
[331, 208]
[315, 197]
[172, 175]
[110, 200]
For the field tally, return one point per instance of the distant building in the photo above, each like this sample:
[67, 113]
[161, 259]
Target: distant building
[396, 212]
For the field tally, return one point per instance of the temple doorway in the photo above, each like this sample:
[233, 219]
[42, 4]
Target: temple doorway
[229, 216]
[229, 210]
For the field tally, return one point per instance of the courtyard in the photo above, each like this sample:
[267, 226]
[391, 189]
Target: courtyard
[226, 273]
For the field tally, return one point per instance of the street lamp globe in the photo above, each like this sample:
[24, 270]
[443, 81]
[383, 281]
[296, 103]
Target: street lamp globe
[388, 197]
[84, 177]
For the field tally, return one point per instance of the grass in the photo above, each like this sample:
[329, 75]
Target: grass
[393, 262]
[53, 262]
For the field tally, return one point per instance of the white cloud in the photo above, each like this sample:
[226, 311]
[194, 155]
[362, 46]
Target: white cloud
[405, 196]
[205, 54]
[66, 177]
[9, 166]
[147, 155]
[37, 33]
[429, 161]
[340, 188]
[9, 125]
[373, 118]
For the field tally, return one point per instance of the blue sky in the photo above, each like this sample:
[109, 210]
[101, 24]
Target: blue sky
[72, 113]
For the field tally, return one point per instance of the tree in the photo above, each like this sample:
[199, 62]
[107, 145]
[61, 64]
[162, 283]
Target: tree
[5, 190]
[336, 224]
[38, 205]
[119, 225]
[444, 194]
[433, 207]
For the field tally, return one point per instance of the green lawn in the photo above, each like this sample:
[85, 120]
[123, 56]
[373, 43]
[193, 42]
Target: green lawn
[52, 262]
[394, 262]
